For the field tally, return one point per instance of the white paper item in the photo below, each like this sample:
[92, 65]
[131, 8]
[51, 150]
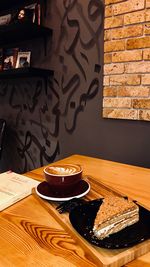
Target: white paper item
[14, 187]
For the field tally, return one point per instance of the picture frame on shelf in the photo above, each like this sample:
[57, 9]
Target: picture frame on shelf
[23, 59]
[10, 58]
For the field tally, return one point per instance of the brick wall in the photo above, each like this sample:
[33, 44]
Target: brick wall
[126, 93]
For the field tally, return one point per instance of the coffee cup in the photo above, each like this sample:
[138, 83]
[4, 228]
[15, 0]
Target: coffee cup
[63, 177]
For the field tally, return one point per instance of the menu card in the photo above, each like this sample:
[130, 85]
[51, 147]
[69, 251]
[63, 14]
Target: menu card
[14, 187]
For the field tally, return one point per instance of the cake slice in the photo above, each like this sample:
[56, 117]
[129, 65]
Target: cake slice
[114, 214]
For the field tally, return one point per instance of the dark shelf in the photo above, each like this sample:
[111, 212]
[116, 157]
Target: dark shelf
[18, 32]
[25, 72]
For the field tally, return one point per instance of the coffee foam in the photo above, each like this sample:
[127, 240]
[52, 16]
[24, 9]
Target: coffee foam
[63, 169]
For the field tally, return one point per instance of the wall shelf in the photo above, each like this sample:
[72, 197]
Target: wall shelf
[25, 72]
[18, 32]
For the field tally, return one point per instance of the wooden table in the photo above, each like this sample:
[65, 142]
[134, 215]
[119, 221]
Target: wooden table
[33, 233]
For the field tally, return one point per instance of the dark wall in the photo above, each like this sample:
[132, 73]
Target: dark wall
[46, 122]
[29, 140]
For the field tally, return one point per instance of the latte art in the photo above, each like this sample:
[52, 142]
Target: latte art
[63, 169]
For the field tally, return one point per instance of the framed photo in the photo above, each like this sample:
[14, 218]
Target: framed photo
[23, 59]
[10, 58]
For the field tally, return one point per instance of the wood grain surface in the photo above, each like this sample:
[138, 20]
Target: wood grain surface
[33, 233]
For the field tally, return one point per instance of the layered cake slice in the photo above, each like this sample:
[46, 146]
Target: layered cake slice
[114, 214]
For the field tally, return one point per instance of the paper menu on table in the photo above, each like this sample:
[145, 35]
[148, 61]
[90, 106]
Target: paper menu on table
[14, 187]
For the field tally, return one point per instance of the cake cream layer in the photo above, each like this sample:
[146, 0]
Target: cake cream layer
[116, 218]
[115, 227]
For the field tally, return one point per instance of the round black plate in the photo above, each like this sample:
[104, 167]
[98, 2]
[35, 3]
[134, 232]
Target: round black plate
[82, 219]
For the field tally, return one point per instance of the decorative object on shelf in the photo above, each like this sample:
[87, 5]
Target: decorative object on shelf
[4, 20]
[10, 58]
[21, 15]
[23, 59]
[35, 10]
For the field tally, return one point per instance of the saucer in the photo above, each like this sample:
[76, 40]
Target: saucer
[44, 191]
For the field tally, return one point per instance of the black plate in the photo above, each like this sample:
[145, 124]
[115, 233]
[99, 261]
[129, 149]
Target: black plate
[82, 219]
